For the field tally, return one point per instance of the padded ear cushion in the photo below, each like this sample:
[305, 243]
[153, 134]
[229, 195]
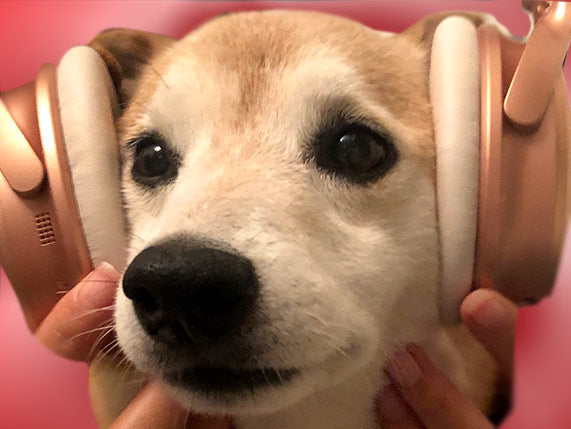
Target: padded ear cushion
[88, 104]
[455, 98]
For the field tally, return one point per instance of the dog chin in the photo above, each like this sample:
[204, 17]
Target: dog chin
[271, 397]
[209, 390]
[250, 401]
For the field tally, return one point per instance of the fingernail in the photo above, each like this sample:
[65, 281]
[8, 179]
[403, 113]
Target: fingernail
[483, 308]
[108, 269]
[392, 406]
[403, 369]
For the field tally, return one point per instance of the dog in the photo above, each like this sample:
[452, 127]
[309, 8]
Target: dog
[278, 176]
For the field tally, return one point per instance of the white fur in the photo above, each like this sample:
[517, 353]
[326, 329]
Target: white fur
[88, 104]
[455, 99]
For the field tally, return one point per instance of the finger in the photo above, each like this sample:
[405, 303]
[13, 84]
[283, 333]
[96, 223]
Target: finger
[492, 320]
[393, 412]
[82, 317]
[153, 409]
[432, 397]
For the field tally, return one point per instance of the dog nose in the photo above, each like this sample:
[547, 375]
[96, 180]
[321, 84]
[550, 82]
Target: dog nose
[180, 291]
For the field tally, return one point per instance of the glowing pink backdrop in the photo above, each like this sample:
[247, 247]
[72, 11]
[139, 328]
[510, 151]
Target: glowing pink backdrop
[40, 390]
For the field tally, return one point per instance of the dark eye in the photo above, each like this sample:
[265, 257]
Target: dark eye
[355, 152]
[154, 162]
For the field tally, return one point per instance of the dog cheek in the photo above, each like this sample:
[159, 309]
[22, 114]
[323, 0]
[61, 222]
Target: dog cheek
[315, 317]
[130, 336]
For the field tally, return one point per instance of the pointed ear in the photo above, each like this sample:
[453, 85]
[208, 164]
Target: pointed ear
[422, 32]
[127, 53]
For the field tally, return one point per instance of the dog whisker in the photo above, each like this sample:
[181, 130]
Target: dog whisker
[111, 345]
[335, 340]
[327, 324]
[139, 238]
[98, 281]
[185, 423]
[107, 329]
[128, 367]
[90, 331]
[261, 366]
[96, 310]
[101, 355]
[92, 350]
[65, 291]
[152, 67]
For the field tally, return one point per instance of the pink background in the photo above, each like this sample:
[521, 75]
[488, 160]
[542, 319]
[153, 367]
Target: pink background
[41, 390]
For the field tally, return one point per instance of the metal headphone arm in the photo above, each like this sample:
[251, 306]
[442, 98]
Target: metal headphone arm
[534, 80]
[19, 164]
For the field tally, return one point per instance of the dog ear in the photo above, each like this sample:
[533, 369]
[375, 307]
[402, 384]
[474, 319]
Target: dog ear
[126, 53]
[422, 33]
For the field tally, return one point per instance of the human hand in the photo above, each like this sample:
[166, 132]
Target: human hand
[420, 396]
[77, 328]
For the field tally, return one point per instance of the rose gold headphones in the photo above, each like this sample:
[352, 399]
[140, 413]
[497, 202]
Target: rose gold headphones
[502, 127]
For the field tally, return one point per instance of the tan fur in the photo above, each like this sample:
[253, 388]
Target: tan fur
[397, 84]
[248, 64]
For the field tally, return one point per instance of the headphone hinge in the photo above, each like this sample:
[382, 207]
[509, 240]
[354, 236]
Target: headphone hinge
[19, 164]
[534, 80]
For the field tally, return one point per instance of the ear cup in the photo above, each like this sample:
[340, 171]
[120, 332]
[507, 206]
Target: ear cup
[88, 104]
[455, 98]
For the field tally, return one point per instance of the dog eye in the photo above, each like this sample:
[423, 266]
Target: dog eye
[154, 163]
[356, 153]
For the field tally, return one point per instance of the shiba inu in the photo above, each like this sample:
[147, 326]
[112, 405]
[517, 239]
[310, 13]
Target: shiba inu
[278, 175]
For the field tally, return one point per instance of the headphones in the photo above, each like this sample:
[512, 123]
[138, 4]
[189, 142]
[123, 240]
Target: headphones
[502, 126]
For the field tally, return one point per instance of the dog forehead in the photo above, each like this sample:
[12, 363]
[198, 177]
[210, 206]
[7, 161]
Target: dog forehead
[254, 44]
[240, 60]
[278, 38]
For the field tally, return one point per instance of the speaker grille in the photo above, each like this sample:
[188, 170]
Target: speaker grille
[45, 229]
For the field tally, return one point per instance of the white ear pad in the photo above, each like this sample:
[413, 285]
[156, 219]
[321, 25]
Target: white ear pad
[455, 98]
[88, 104]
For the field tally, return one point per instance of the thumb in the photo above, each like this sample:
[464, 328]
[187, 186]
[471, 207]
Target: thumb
[153, 409]
[492, 320]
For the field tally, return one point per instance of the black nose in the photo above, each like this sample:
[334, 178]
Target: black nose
[181, 290]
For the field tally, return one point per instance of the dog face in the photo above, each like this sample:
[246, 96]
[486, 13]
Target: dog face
[278, 175]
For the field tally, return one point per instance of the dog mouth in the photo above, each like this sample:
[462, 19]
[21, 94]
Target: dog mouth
[211, 379]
